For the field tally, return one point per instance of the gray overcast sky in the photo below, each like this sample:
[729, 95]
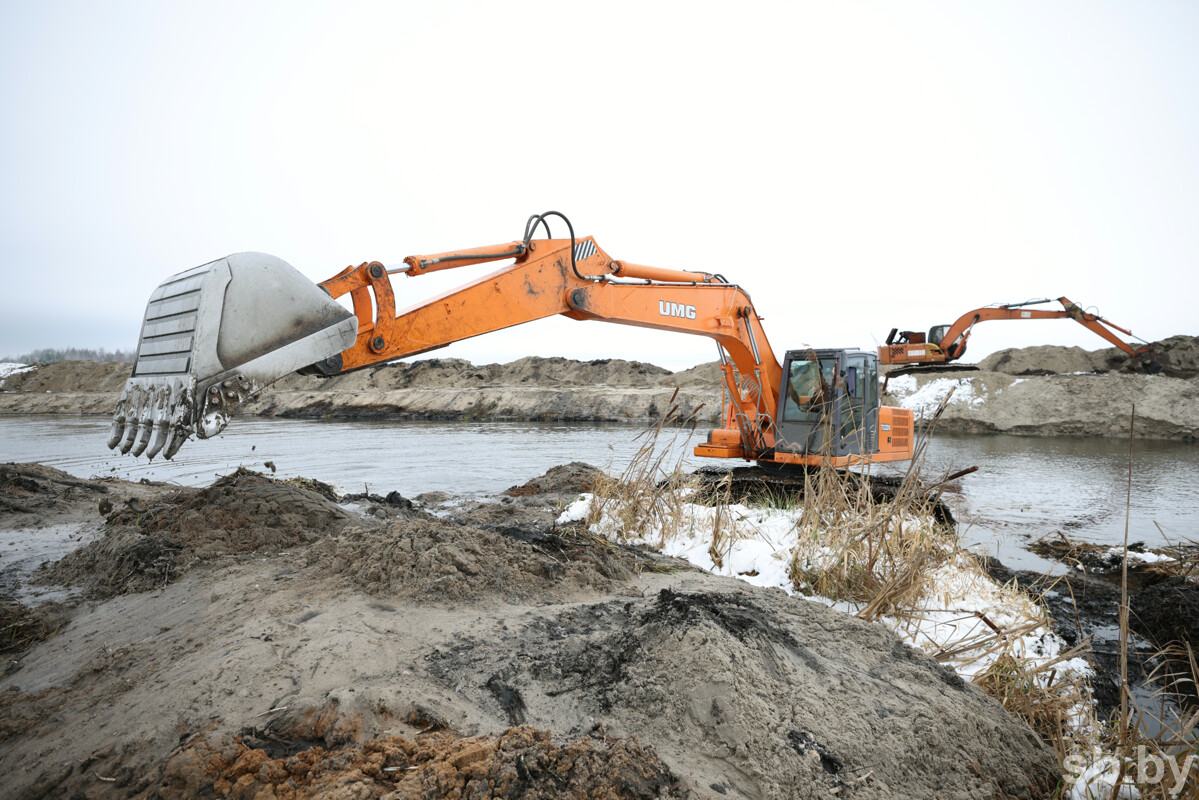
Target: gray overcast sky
[856, 166]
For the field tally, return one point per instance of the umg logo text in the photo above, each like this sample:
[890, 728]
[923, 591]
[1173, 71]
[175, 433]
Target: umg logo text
[669, 309]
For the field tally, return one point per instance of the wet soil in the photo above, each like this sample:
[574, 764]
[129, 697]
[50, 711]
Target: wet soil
[1085, 606]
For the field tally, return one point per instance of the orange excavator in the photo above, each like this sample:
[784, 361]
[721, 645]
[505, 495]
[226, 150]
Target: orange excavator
[216, 334]
[913, 350]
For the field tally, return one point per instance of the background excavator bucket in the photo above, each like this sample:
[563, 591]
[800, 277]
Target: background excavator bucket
[215, 335]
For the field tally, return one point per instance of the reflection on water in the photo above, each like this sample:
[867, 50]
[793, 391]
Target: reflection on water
[1029, 487]
[1025, 487]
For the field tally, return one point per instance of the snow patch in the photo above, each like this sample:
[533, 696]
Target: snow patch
[12, 368]
[925, 400]
[902, 386]
[1117, 553]
[1098, 779]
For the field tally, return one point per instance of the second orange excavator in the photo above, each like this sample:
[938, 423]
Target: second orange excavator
[910, 351]
[214, 335]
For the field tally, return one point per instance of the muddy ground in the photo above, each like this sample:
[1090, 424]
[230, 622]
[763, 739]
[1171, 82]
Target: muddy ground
[261, 638]
[1085, 601]
[1033, 391]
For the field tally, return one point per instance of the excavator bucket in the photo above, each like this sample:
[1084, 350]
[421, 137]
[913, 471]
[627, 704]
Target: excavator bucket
[215, 335]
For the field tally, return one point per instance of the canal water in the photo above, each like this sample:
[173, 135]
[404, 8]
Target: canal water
[1024, 488]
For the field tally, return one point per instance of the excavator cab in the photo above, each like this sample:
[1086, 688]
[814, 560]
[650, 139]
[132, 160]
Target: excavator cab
[829, 403]
[937, 333]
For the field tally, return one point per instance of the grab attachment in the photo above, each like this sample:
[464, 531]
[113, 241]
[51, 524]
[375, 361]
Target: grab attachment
[212, 337]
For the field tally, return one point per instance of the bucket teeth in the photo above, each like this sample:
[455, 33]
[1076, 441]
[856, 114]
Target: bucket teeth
[132, 413]
[117, 431]
[154, 407]
[179, 425]
[163, 411]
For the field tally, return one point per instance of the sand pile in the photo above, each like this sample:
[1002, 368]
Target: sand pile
[1178, 356]
[1063, 391]
[64, 387]
[793, 700]
[566, 480]
[32, 495]
[422, 656]
[147, 544]
[425, 559]
[526, 389]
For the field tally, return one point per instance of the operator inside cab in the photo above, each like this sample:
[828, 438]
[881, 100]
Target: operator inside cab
[808, 388]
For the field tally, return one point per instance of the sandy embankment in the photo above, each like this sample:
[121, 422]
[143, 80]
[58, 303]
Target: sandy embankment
[1033, 391]
[1064, 391]
[531, 388]
[256, 636]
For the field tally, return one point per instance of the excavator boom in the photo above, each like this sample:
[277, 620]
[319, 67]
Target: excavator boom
[944, 344]
[253, 319]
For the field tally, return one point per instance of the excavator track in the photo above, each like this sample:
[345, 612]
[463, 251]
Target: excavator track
[747, 482]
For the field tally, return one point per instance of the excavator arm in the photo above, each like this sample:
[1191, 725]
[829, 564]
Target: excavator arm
[947, 343]
[197, 391]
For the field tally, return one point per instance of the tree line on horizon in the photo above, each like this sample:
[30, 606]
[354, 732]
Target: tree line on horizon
[48, 355]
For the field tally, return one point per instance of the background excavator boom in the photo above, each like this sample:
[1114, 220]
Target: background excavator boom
[947, 343]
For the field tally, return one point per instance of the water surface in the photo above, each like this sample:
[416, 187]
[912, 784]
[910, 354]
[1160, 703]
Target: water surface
[1025, 488]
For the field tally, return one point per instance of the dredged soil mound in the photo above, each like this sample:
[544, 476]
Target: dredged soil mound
[340, 633]
[1178, 357]
[425, 559]
[1063, 391]
[147, 544]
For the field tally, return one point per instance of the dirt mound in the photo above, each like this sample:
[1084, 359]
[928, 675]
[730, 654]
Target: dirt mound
[520, 762]
[532, 388]
[1046, 360]
[70, 376]
[704, 376]
[1178, 355]
[147, 544]
[791, 699]
[566, 479]
[457, 373]
[568, 372]
[1054, 405]
[427, 559]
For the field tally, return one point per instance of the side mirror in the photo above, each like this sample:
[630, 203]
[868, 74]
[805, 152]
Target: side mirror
[851, 381]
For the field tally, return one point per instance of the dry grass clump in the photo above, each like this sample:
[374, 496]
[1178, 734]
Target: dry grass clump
[22, 626]
[1054, 701]
[651, 493]
[854, 546]
[880, 553]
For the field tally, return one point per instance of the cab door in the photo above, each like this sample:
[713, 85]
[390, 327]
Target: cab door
[859, 407]
[810, 403]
